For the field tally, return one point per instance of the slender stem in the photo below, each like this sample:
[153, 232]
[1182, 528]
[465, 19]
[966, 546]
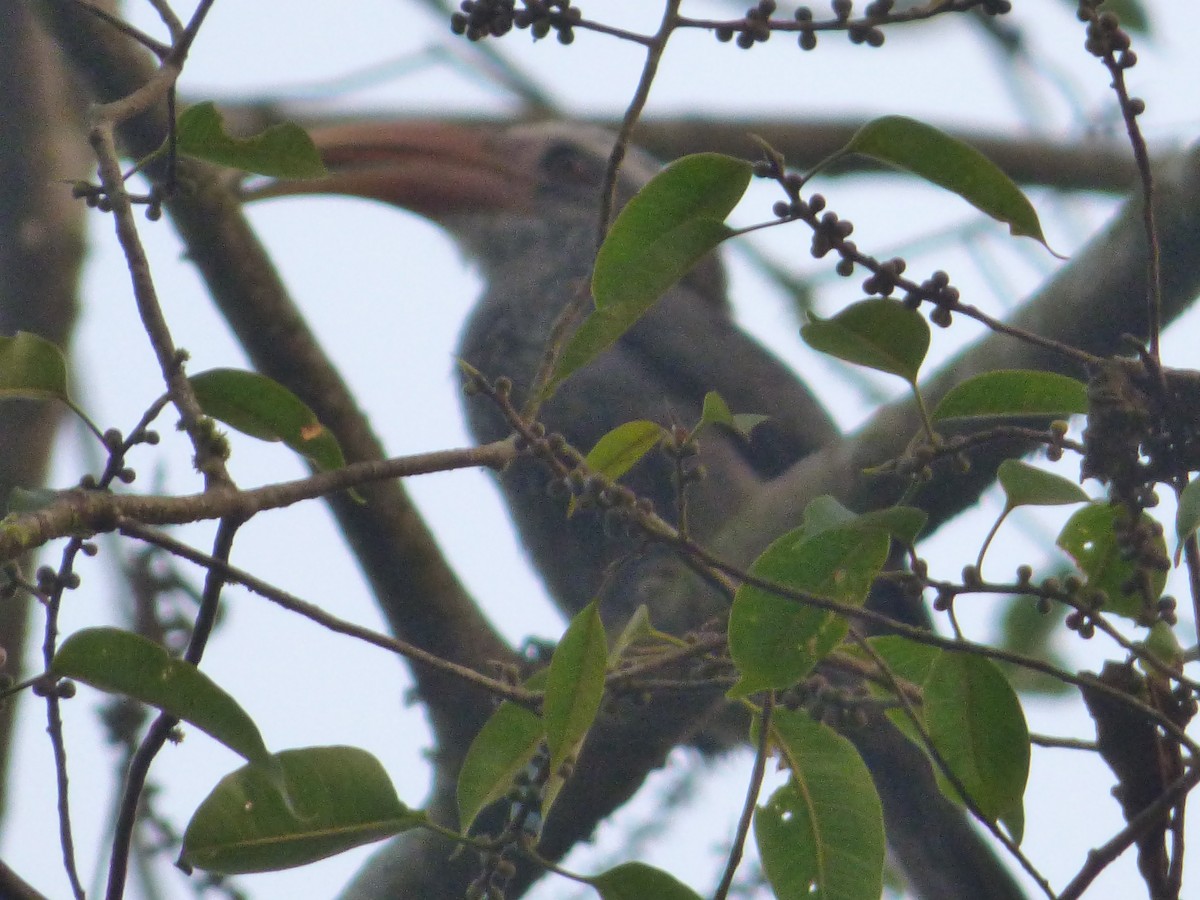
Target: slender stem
[315, 614]
[752, 791]
[160, 729]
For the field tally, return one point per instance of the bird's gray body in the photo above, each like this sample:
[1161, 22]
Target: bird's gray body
[687, 345]
[523, 203]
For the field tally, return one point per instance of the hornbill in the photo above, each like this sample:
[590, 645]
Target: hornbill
[522, 202]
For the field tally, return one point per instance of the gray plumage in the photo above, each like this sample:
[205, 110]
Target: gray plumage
[523, 204]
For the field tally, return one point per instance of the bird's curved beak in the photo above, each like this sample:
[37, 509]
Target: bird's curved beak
[435, 169]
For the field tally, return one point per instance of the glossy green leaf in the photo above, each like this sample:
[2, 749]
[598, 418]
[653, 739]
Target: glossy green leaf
[264, 409]
[121, 662]
[281, 151]
[949, 163]
[1014, 392]
[574, 688]
[337, 798]
[775, 641]
[978, 727]
[821, 834]
[881, 334]
[1089, 539]
[638, 881]
[1026, 485]
[501, 750]
[677, 218]
[31, 367]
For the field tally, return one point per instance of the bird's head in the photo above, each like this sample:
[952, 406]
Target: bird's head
[491, 187]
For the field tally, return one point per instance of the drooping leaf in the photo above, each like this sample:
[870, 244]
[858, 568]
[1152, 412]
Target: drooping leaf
[880, 333]
[337, 798]
[774, 640]
[978, 727]
[574, 688]
[1026, 485]
[281, 151]
[1014, 392]
[949, 163]
[677, 218]
[121, 662]
[502, 749]
[262, 408]
[638, 881]
[821, 834]
[32, 367]
[1089, 538]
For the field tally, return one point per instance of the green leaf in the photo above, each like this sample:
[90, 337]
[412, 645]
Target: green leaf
[638, 881]
[1027, 630]
[821, 514]
[337, 798]
[1131, 13]
[501, 750]
[903, 523]
[907, 660]
[1089, 539]
[1026, 485]
[623, 447]
[716, 412]
[821, 834]
[639, 626]
[880, 334]
[976, 723]
[775, 641]
[574, 688]
[31, 368]
[264, 409]
[949, 163]
[677, 218]
[1014, 392]
[1187, 513]
[282, 151]
[121, 662]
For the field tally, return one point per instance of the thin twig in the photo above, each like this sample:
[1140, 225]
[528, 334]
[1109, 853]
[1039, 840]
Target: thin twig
[314, 613]
[160, 729]
[752, 791]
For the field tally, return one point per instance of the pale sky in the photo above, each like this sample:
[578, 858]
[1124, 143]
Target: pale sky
[388, 293]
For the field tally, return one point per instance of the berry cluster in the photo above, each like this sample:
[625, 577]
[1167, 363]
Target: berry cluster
[478, 19]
